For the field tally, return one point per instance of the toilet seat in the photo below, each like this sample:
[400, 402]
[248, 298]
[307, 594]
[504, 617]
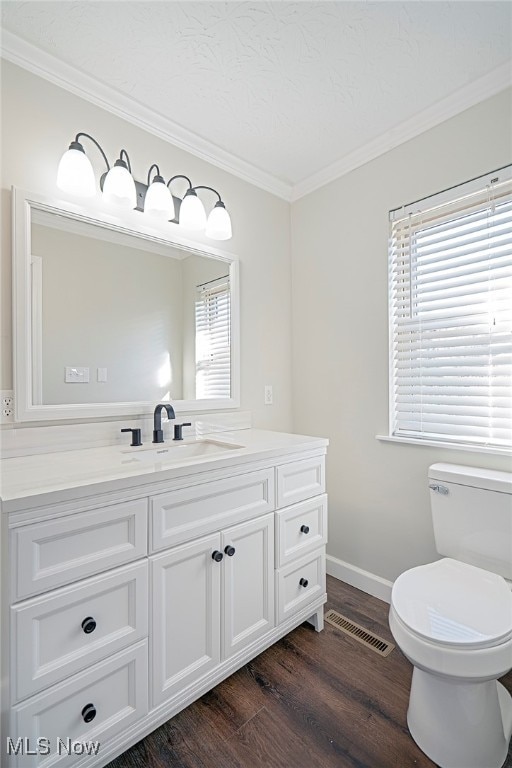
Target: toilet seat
[454, 605]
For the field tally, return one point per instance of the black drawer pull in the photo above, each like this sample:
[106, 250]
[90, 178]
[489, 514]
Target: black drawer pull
[229, 550]
[304, 529]
[88, 625]
[217, 556]
[89, 713]
[303, 582]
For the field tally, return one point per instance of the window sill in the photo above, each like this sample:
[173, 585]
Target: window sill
[440, 444]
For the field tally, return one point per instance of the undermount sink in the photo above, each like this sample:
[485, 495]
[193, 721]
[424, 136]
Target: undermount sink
[176, 453]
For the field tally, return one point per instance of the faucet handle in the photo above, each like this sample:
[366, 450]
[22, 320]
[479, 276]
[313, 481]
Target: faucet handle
[178, 430]
[136, 439]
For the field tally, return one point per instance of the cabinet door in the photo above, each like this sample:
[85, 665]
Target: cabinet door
[247, 583]
[185, 619]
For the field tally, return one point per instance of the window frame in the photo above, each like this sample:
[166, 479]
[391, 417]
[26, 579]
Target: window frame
[453, 441]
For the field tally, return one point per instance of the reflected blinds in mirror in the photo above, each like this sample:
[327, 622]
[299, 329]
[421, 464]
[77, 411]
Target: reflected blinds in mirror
[213, 323]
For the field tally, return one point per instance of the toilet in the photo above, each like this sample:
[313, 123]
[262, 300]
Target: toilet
[453, 620]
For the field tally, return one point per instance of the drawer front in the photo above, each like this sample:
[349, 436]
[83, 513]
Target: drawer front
[57, 635]
[300, 529]
[178, 516]
[291, 594]
[116, 690]
[300, 480]
[56, 552]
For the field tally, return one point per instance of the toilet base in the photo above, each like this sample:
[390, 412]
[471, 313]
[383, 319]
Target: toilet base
[460, 724]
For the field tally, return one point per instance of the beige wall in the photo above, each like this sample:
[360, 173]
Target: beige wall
[379, 518]
[38, 122]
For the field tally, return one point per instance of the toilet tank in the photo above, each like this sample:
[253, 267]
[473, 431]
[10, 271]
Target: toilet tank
[472, 515]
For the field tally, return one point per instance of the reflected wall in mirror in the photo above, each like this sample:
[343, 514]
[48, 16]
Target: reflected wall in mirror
[117, 319]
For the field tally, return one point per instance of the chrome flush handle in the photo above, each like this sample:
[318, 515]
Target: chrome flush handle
[439, 489]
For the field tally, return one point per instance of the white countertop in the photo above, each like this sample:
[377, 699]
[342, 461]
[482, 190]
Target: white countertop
[54, 476]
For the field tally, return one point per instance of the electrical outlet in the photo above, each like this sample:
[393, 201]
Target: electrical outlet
[6, 405]
[269, 397]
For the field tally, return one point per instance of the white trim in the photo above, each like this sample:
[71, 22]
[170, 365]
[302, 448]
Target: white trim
[49, 67]
[357, 577]
[464, 98]
[496, 450]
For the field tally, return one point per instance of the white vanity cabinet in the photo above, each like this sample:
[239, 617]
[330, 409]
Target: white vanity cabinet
[211, 598]
[125, 606]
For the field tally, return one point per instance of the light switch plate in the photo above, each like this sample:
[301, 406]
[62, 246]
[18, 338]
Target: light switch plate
[76, 375]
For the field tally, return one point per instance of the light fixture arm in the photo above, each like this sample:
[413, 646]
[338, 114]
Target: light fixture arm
[157, 173]
[127, 161]
[202, 186]
[180, 176]
[88, 136]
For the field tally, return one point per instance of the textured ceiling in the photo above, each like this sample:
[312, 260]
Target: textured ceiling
[292, 87]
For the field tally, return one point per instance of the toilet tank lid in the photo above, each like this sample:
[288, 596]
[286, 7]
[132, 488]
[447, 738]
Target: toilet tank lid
[476, 477]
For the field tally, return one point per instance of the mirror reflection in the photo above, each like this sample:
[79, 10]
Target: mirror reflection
[120, 318]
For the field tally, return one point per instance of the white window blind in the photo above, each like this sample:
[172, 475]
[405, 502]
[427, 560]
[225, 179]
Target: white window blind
[451, 316]
[213, 339]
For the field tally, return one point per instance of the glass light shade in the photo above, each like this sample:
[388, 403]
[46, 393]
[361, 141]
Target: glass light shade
[192, 213]
[75, 174]
[119, 187]
[158, 202]
[218, 226]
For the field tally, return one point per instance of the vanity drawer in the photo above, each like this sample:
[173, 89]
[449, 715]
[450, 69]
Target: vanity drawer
[300, 529]
[182, 515]
[56, 552]
[300, 480]
[291, 594]
[57, 635]
[116, 690]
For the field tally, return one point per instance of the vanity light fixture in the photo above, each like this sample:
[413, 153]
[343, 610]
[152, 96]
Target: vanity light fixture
[118, 184]
[158, 201]
[76, 177]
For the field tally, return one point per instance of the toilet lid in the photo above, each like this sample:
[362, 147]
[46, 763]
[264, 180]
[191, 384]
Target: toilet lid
[455, 604]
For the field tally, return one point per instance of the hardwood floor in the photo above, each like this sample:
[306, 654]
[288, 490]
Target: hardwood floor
[313, 700]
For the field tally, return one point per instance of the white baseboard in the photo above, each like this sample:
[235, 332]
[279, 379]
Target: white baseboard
[356, 577]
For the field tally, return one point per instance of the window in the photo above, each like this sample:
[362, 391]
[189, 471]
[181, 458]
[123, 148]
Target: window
[451, 315]
[213, 340]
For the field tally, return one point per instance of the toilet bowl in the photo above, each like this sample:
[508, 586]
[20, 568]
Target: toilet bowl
[453, 621]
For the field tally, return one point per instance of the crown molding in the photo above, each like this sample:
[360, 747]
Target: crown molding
[49, 67]
[495, 81]
[45, 65]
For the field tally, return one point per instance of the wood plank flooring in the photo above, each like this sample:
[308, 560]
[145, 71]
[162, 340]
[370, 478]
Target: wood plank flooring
[313, 700]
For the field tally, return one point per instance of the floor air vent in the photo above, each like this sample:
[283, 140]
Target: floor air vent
[376, 643]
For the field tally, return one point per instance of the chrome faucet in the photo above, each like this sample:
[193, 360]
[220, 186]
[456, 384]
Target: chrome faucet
[158, 433]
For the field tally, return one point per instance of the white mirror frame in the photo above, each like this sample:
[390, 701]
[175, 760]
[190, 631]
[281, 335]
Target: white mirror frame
[129, 224]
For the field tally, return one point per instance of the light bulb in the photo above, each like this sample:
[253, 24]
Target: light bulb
[75, 174]
[158, 202]
[192, 213]
[218, 226]
[119, 186]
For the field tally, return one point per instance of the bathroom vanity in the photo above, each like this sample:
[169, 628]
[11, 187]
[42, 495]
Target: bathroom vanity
[136, 579]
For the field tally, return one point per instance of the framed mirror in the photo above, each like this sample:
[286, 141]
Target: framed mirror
[112, 316]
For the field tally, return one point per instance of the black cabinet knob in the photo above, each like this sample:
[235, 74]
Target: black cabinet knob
[229, 550]
[304, 528]
[303, 582]
[88, 713]
[217, 556]
[88, 625]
